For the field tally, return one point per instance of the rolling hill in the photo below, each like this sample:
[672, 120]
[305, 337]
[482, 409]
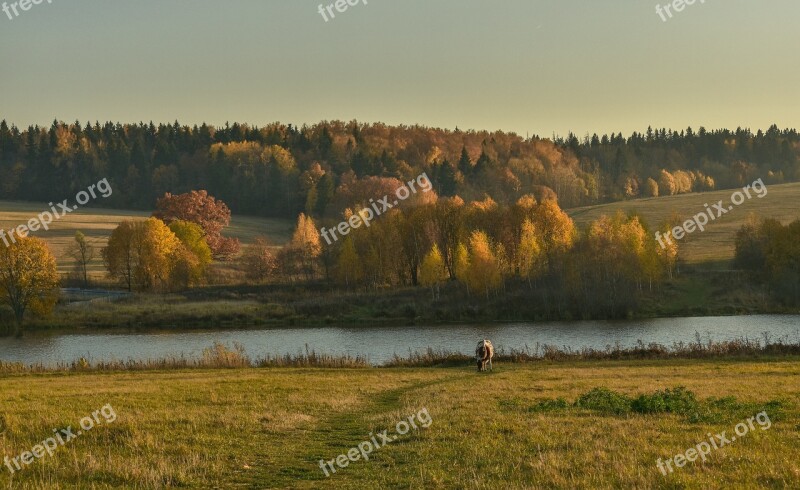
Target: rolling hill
[716, 243]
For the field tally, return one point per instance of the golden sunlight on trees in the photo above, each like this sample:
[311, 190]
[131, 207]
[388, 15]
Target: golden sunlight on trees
[432, 272]
[300, 255]
[556, 228]
[529, 259]
[651, 188]
[28, 277]
[482, 272]
[610, 264]
[142, 254]
[666, 184]
[192, 262]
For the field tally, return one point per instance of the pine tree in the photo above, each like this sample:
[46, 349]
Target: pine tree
[464, 163]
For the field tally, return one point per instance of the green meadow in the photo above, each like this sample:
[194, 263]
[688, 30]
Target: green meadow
[515, 427]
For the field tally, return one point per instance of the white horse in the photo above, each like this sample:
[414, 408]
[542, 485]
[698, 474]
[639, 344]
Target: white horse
[484, 354]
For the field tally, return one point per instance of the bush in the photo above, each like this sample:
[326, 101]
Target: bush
[605, 401]
[679, 400]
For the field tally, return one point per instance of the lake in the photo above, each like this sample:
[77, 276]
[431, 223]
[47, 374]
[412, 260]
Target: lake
[380, 343]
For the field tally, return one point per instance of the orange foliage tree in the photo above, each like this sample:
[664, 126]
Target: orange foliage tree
[198, 207]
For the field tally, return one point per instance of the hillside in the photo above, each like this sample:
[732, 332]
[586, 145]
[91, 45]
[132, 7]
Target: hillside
[782, 202]
[97, 225]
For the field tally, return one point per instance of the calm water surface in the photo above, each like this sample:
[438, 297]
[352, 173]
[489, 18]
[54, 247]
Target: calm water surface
[379, 344]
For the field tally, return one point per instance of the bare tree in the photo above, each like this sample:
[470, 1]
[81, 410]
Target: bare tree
[83, 253]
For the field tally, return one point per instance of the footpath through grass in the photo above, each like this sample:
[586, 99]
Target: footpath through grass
[516, 427]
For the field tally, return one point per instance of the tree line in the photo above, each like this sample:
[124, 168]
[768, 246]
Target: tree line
[770, 252]
[431, 242]
[281, 170]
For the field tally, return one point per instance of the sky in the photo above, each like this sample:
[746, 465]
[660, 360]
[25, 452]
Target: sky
[539, 67]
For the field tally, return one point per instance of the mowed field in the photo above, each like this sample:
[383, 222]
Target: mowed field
[270, 427]
[97, 224]
[717, 242]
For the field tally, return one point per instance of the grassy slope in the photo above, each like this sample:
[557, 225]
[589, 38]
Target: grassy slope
[260, 428]
[782, 202]
[97, 224]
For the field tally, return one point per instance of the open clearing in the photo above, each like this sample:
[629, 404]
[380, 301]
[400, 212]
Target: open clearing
[268, 428]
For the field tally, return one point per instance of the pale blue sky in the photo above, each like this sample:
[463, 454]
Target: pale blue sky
[538, 66]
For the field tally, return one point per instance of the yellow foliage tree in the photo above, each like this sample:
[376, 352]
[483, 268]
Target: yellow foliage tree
[28, 277]
[556, 228]
[482, 273]
[433, 272]
[305, 246]
[651, 188]
[529, 258]
[141, 254]
[666, 184]
[190, 268]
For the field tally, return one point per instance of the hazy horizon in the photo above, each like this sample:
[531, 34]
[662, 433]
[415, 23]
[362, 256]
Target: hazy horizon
[530, 67]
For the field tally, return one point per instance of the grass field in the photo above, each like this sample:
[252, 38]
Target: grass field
[98, 224]
[716, 243]
[268, 428]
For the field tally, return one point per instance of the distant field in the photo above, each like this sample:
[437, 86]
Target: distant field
[98, 224]
[782, 202]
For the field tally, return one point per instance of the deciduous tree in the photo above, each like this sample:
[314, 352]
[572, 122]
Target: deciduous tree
[198, 207]
[142, 254]
[259, 261]
[83, 253]
[28, 277]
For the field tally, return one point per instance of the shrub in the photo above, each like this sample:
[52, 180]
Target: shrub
[605, 401]
[679, 400]
[220, 356]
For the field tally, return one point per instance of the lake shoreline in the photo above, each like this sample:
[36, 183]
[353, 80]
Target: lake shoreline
[428, 345]
[695, 293]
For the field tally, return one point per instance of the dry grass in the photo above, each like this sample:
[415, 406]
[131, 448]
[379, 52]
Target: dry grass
[266, 428]
[782, 202]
